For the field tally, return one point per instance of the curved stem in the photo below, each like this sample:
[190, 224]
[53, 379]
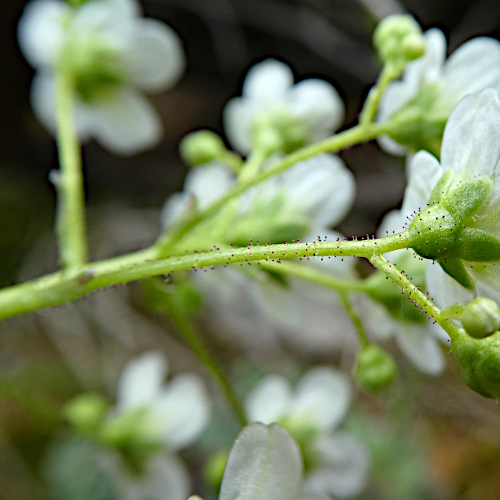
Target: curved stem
[70, 220]
[400, 279]
[350, 137]
[61, 287]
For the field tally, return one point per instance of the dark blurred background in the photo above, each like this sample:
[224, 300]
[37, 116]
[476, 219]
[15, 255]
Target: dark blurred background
[330, 39]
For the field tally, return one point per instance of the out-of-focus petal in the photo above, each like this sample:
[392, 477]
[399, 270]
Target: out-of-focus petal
[264, 463]
[323, 397]
[319, 105]
[126, 123]
[267, 81]
[443, 289]
[471, 141]
[324, 188]
[343, 468]
[181, 411]
[474, 66]
[141, 380]
[237, 117]
[40, 31]
[154, 58]
[269, 401]
[421, 348]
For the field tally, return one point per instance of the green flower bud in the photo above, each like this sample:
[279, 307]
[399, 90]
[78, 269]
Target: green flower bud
[399, 38]
[201, 147]
[85, 412]
[481, 318]
[374, 369]
[480, 363]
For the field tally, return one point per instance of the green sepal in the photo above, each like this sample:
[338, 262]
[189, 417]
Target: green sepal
[465, 200]
[454, 311]
[480, 363]
[454, 267]
[478, 246]
[441, 187]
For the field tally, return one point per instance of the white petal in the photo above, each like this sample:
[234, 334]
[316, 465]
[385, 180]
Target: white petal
[165, 478]
[208, 183]
[343, 467]
[390, 146]
[125, 123]
[486, 277]
[269, 401]
[322, 187]
[443, 289]
[237, 117]
[421, 348]
[40, 31]
[380, 325]
[323, 397]
[154, 57]
[318, 105]
[141, 380]
[473, 67]
[267, 81]
[182, 410]
[264, 463]
[425, 172]
[471, 141]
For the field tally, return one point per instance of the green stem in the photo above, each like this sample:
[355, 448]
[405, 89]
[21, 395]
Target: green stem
[355, 318]
[350, 137]
[416, 294]
[70, 223]
[203, 354]
[372, 102]
[251, 166]
[61, 287]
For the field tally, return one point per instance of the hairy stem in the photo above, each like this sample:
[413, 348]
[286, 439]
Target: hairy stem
[422, 300]
[70, 220]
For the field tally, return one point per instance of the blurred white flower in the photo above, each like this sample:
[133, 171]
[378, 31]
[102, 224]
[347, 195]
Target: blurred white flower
[149, 414]
[312, 413]
[436, 84]
[301, 203]
[264, 463]
[174, 413]
[274, 110]
[113, 55]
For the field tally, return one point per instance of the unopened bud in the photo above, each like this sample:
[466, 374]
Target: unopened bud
[86, 411]
[201, 147]
[374, 368]
[399, 37]
[481, 318]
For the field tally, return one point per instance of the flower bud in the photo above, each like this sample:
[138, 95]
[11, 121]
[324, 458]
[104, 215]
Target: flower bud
[85, 412]
[201, 147]
[481, 318]
[399, 38]
[374, 368]
[479, 360]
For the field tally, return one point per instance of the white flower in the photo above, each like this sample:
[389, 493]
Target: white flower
[264, 463]
[272, 105]
[312, 413]
[113, 55]
[440, 83]
[300, 203]
[174, 413]
[470, 153]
